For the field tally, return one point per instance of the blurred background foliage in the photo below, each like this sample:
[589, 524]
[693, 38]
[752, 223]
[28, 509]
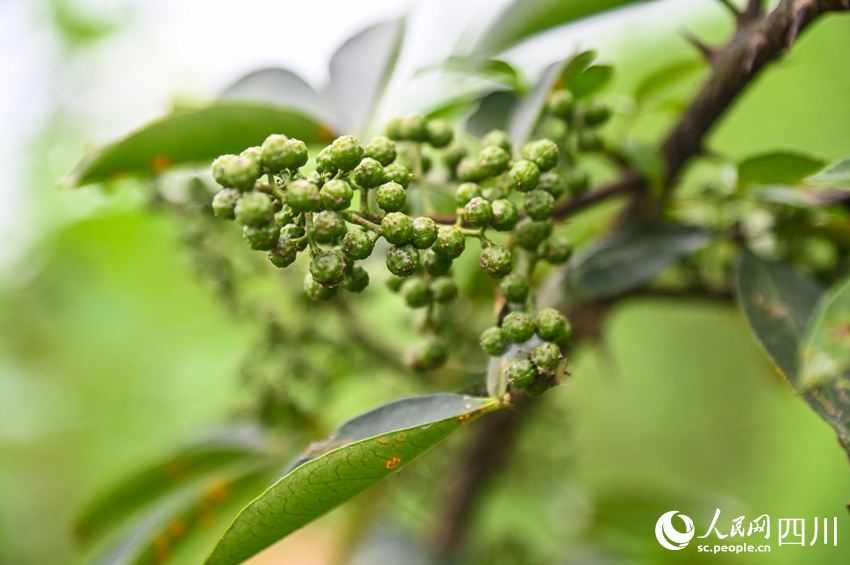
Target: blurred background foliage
[114, 351]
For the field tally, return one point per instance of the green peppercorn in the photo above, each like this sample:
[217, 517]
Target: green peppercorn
[518, 327]
[561, 103]
[450, 242]
[336, 194]
[316, 291]
[453, 155]
[505, 215]
[356, 279]
[497, 138]
[530, 233]
[346, 153]
[515, 288]
[493, 341]
[589, 141]
[546, 355]
[551, 325]
[416, 293]
[224, 203]
[219, 165]
[382, 150]
[254, 154]
[284, 216]
[524, 175]
[369, 173]
[393, 129]
[497, 260]
[324, 162]
[254, 209]
[440, 133]
[328, 226]
[316, 178]
[302, 196]
[357, 245]
[295, 233]
[596, 113]
[493, 160]
[391, 197]
[398, 173]
[394, 283]
[520, 372]
[283, 254]
[577, 181]
[557, 249]
[553, 183]
[539, 205]
[466, 192]
[436, 265]
[432, 355]
[235, 171]
[279, 153]
[397, 228]
[477, 212]
[542, 152]
[260, 238]
[327, 267]
[414, 128]
[402, 260]
[469, 170]
[424, 232]
[444, 289]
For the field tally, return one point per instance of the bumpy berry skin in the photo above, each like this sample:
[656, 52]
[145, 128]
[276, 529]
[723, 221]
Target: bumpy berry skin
[302, 196]
[253, 153]
[235, 171]
[505, 215]
[561, 103]
[551, 325]
[416, 293]
[432, 355]
[357, 245]
[224, 202]
[539, 205]
[530, 233]
[596, 113]
[262, 239]
[497, 138]
[542, 152]
[402, 260]
[397, 228]
[283, 254]
[493, 160]
[478, 212]
[450, 242]
[515, 288]
[414, 128]
[356, 279]
[391, 197]
[553, 183]
[336, 194]
[436, 265]
[369, 173]
[520, 372]
[453, 155]
[466, 192]
[279, 153]
[557, 249]
[293, 232]
[316, 178]
[284, 216]
[219, 165]
[444, 289]
[469, 170]
[577, 181]
[589, 140]
[398, 173]
[254, 209]
[546, 355]
[382, 150]
[316, 291]
[493, 341]
[327, 268]
[497, 261]
[346, 153]
[440, 133]
[524, 175]
[328, 226]
[518, 327]
[424, 233]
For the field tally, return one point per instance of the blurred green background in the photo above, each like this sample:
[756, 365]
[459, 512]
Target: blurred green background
[113, 350]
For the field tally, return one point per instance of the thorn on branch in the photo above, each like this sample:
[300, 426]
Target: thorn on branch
[709, 53]
[801, 12]
[752, 12]
[757, 44]
[732, 8]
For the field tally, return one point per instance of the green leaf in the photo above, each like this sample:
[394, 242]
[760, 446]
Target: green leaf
[825, 349]
[630, 258]
[576, 65]
[117, 504]
[278, 87]
[647, 160]
[361, 453]
[193, 136]
[590, 81]
[780, 167]
[665, 78]
[492, 113]
[835, 174]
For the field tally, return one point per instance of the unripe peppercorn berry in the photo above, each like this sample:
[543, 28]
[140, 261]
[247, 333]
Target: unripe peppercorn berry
[524, 175]
[393, 129]
[324, 162]
[450, 242]
[493, 160]
[394, 283]
[520, 372]
[493, 341]
[497, 261]
[477, 212]
[551, 325]
[424, 232]
[577, 181]
[391, 197]
[416, 293]
[262, 239]
[356, 279]
[414, 128]
[466, 192]
[382, 150]
[453, 155]
[316, 291]
[432, 355]
[515, 288]
[316, 178]
[279, 153]
[589, 140]
[436, 265]
[284, 216]
[369, 173]
[254, 209]
[398, 173]
[336, 194]
[505, 215]
[397, 228]
[518, 327]
[327, 267]
[402, 260]
[219, 165]
[560, 103]
[497, 138]
[542, 152]
[553, 183]
[469, 170]
[444, 289]
[293, 232]
[224, 203]
[302, 196]
[546, 355]
[556, 249]
[254, 154]
[596, 113]
[328, 226]
[357, 245]
[236, 172]
[346, 153]
[440, 133]
[283, 254]
[530, 233]
[539, 205]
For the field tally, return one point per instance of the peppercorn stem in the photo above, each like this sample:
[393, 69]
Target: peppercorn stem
[354, 218]
[423, 189]
[311, 232]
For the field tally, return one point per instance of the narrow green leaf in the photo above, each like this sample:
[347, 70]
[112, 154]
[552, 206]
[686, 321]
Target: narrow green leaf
[630, 258]
[492, 113]
[590, 81]
[665, 78]
[825, 349]
[780, 167]
[576, 65]
[278, 87]
[835, 174]
[193, 136]
[361, 453]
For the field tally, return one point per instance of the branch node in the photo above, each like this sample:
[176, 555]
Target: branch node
[801, 13]
[752, 13]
